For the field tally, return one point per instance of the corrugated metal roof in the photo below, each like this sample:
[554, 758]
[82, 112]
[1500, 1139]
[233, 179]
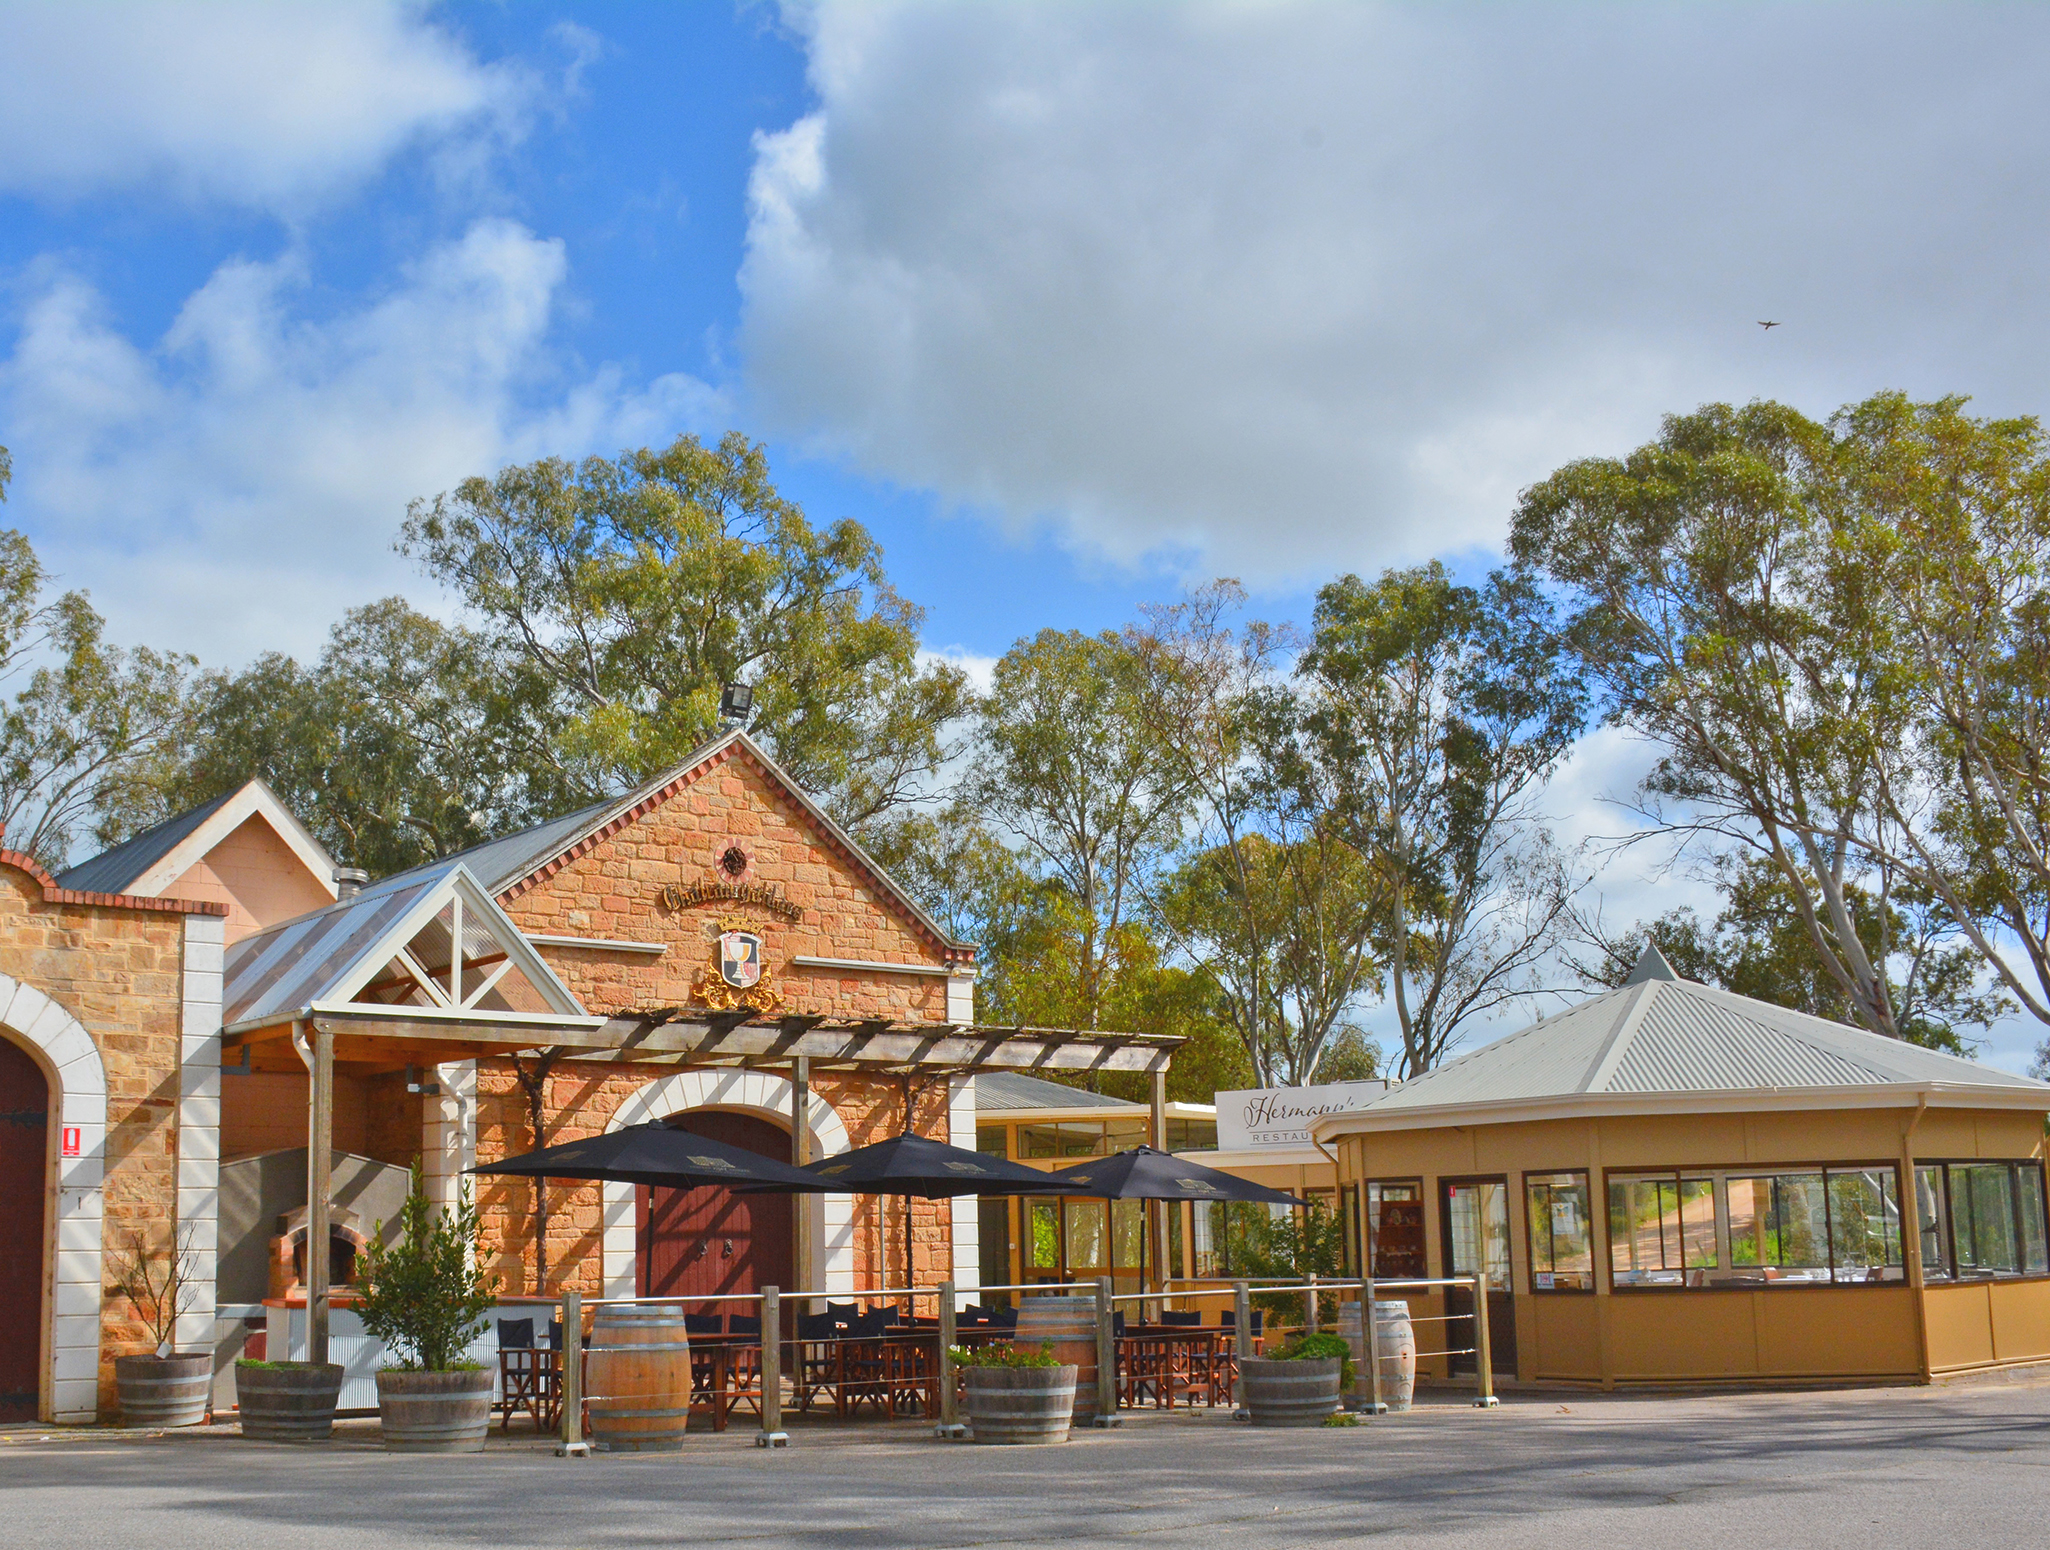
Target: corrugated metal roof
[115, 871]
[499, 863]
[996, 1090]
[1665, 1035]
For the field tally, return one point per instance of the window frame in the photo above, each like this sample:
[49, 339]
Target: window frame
[1421, 1201]
[1723, 1173]
[1530, 1235]
[2016, 1166]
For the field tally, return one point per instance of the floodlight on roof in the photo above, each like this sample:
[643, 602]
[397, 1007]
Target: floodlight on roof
[736, 703]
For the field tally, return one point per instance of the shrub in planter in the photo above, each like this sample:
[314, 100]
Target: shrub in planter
[167, 1388]
[1299, 1384]
[287, 1401]
[426, 1299]
[1016, 1394]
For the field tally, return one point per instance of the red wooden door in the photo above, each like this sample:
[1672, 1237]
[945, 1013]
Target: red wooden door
[707, 1241]
[24, 1153]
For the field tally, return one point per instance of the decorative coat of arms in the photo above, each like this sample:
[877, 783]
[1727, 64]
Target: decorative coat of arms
[738, 975]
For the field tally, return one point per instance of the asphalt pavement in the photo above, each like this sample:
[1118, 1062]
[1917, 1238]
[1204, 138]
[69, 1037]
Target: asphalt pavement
[1964, 1466]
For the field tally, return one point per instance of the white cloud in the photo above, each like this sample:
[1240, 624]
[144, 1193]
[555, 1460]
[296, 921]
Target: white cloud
[1272, 289]
[237, 484]
[251, 103]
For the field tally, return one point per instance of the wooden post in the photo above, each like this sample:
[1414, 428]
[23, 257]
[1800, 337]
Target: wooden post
[1106, 1356]
[1372, 1345]
[572, 1444]
[1156, 1224]
[1242, 1343]
[800, 1154]
[772, 1434]
[950, 1402]
[1310, 1303]
[1483, 1358]
[320, 1158]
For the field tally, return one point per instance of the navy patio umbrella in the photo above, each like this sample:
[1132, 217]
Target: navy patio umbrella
[660, 1155]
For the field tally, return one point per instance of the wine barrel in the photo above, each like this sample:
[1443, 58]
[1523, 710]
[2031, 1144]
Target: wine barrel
[1068, 1324]
[1355, 1341]
[434, 1412]
[287, 1401]
[164, 1390]
[1020, 1404]
[637, 1378]
[1289, 1393]
[1395, 1338]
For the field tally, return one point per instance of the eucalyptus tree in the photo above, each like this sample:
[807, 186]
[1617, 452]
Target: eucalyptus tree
[1264, 899]
[1433, 714]
[628, 591]
[1730, 608]
[1067, 762]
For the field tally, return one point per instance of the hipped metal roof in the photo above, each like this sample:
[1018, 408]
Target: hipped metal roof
[1661, 1044]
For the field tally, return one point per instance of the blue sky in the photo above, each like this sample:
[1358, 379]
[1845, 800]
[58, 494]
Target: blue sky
[1070, 304]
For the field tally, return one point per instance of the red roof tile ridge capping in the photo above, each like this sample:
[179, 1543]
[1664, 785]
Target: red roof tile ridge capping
[52, 894]
[696, 772]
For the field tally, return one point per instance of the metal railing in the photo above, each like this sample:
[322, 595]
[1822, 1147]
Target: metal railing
[771, 1299]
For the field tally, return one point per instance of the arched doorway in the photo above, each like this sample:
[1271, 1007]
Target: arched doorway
[710, 1241]
[24, 1161]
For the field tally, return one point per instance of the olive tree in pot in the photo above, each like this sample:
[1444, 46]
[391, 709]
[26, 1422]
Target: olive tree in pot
[1015, 1394]
[1299, 1385]
[425, 1297]
[163, 1388]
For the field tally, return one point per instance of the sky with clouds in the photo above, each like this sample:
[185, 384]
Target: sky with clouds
[1069, 303]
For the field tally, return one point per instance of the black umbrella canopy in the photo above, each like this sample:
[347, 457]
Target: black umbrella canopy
[931, 1170]
[657, 1154]
[1146, 1174]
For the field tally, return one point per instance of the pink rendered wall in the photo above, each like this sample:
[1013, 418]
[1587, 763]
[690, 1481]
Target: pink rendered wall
[257, 875]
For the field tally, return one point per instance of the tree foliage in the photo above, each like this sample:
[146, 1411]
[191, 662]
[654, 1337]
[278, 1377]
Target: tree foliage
[625, 593]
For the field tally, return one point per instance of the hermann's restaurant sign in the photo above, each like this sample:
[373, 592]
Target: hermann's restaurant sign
[1281, 1116]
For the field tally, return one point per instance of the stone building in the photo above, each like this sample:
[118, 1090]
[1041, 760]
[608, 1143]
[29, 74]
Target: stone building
[709, 947]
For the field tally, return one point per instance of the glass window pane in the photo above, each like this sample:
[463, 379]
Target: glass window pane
[1079, 1138]
[2035, 1252]
[1749, 1204]
[1982, 1208]
[1208, 1225]
[1128, 1224]
[1864, 1225]
[1644, 1230]
[1697, 1225]
[1038, 1141]
[1562, 1244]
[1085, 1236]
[1395, 1227]
[1044, 1240]
[1933, 1215]
[992, 1139]
[1121, 1135]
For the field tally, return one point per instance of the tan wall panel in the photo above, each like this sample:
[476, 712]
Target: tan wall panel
[1683, 1335]
[1557, 1338]
[2021, 1319]
[265, 1111]
[2000, 1135]
[1960, 1326]
[1848, 1331]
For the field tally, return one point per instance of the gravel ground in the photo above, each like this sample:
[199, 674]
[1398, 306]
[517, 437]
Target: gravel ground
[1957, 1466]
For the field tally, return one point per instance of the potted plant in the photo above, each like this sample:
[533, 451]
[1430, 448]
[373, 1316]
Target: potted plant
[1299, 1384]
[164, 1387]
[287, 1401]
[425, 1297]
[1016, 1394]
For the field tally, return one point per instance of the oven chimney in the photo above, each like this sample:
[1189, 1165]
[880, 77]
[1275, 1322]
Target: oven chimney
[349, 881]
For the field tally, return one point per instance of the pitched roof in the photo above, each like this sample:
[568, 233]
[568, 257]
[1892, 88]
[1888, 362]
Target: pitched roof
[327, 958]
[113, 871]
[996, 1090]
[152, 860]
[1661, 1043]
[511, 865]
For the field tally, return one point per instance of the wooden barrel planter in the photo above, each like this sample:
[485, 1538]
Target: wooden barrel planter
[1068, 1324]
[1395, 1338]
[1020, 1404]
[164, 1390]
[434, 1412]
[637, 1379]
[287, 1401]
[1278, 1393]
